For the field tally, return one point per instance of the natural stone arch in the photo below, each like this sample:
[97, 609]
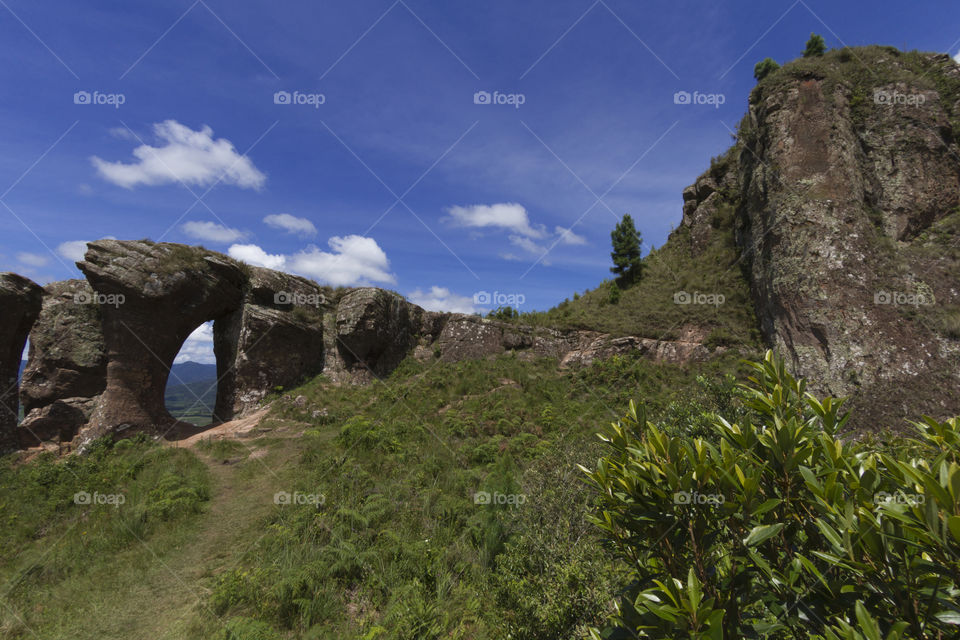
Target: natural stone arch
[20, 302]
[152, 296]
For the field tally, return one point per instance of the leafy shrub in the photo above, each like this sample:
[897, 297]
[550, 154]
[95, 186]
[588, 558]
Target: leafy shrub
[782, 530]
[764, 68]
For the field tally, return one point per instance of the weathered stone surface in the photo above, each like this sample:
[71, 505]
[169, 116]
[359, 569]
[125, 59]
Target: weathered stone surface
[837, 205]
[274, 340]
[152, 296]
[66, 368]
[595, 346]
[20, 302]
[375, 330]
[465, 337]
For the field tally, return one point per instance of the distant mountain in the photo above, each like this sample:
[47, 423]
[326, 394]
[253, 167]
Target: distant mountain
[187, 372]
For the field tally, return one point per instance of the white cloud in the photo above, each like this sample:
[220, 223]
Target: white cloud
[252, 254]
[198, 347]
[32, 259]
[188, 156]
[508, 215]
[569, 237]
[74, 250]
[527, 245]
[354, 260]
[291, 224]
[442, 299]
[212, 232]
[956, 58]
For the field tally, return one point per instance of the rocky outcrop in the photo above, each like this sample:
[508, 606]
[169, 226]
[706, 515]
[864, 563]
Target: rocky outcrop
[275, 339]
[375, 330]
[66, 368]
[846, 188]
[20, 302]
[151, 297]
[600, 347]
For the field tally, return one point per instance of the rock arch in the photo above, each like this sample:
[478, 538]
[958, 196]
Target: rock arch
[20, 303]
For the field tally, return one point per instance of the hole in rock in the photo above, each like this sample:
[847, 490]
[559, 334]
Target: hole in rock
[191, 391]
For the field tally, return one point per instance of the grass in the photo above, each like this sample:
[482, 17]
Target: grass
[648, 308]
[383, 537]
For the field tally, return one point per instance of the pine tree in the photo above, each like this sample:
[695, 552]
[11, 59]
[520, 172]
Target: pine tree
[815, 46]
[626, 251]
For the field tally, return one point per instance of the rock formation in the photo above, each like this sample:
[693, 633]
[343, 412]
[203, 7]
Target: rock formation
[20, 302]
[67, 367]
[151, 298]
[846, 187]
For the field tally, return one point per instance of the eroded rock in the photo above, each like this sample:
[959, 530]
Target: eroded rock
[20, 303]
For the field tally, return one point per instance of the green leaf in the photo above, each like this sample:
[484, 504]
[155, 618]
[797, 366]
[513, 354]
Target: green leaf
[950, 617]
[953, 523]
[761, 533]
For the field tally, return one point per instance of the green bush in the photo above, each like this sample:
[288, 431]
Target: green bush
[815, 46]
[781, 529]
[764, 68]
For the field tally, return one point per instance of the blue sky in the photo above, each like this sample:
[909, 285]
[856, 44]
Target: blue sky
[394, 169]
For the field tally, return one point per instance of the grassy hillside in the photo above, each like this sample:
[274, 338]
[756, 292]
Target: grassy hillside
[385, 535]
[649, 308]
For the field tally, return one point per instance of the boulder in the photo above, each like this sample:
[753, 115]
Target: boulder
[20, 303]
[151, 297]
[375, 330]
[66, 368]
[275, 339]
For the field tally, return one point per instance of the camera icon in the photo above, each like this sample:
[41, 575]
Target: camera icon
[481, 297]
[282, 297]
[81, 97]
[682, 297]
[82, 497]
[482, 97]
[82, 297]
[882, 297]
[681, 497]
[481, 497]
[281, 97]
[882, 497]
[682, 97]
[282, 497]
[882, 97]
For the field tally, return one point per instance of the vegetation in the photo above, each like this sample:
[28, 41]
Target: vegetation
[777, 528]
[626, 251]
[764, 68]
[815, 46]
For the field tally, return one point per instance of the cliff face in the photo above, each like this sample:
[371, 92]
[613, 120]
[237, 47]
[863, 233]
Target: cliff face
[846, 182]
